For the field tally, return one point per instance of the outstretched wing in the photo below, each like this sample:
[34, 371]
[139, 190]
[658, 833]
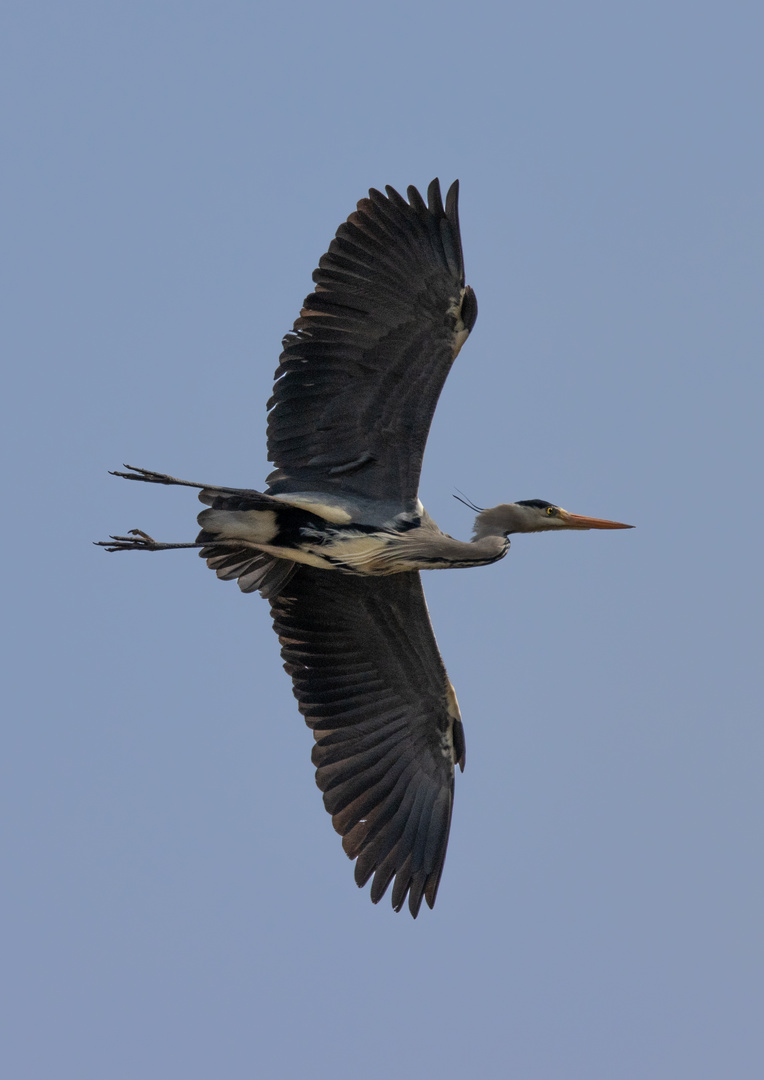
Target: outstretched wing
[371, 684]
[361, 374]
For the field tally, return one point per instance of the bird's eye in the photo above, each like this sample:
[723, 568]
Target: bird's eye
[551, 510]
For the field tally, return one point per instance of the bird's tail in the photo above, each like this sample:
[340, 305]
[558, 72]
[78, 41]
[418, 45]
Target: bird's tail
[252, 568]
[225, 554]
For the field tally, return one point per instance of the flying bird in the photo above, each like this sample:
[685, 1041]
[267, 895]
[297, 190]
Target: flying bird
[337, 540]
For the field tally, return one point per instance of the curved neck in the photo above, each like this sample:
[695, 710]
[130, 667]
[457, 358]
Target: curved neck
[503, 520]
[426, 549]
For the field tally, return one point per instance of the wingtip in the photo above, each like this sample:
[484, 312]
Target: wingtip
[452, 199]
[435, 199]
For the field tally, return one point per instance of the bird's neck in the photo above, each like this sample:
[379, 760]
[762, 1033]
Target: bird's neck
[489, 549]
[499, 521]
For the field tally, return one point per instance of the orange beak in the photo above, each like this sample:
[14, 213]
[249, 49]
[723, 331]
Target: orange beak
[575, 521]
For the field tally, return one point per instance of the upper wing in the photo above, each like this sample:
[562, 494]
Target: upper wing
[361, 374]
[371, 684]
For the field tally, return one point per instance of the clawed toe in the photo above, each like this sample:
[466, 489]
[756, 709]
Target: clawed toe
[137, 540]
[148, 475]
[151, 477]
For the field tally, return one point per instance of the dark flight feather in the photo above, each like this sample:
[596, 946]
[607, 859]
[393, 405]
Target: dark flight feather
[384, 313]
[371, 684]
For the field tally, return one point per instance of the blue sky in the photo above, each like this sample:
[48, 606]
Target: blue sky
[175, 901]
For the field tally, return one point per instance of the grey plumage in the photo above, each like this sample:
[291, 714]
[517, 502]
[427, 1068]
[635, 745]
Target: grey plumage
[371, 685]
[361, 373]
[337, 541]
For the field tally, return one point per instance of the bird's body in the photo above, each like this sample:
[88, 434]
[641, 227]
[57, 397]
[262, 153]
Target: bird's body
[337, 540]
[331, 537]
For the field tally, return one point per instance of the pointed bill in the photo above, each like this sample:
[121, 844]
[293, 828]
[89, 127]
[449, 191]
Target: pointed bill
[576, 521]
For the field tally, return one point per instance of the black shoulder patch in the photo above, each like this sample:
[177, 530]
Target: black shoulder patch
[469, 308]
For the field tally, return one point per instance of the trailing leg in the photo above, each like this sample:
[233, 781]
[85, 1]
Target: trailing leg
[151, 477]
[138, 540]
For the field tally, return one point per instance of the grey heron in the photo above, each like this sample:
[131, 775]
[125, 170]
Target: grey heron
[337, 539]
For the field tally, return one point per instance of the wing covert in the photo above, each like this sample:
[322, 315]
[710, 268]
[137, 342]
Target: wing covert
[361, 373]
[371, 684]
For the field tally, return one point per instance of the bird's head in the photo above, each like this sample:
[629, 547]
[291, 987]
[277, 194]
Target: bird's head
[535, 515]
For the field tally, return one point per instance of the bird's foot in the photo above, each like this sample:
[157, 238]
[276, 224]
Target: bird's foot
[138, 540]
[151, 477]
